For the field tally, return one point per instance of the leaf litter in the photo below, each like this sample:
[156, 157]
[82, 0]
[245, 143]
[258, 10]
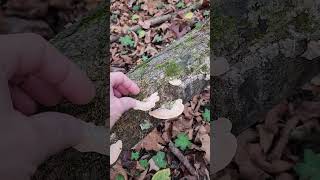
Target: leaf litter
[180, 146]
[140, 29]
[284, 145]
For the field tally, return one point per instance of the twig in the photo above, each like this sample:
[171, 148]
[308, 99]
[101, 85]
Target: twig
[182, 158]
[158, 20]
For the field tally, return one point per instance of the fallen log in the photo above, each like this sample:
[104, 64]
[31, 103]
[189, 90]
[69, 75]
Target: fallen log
[186, 59]
[264, 44]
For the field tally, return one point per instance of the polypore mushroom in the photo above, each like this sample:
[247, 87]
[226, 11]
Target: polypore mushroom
[94, 139]
[224, 144]
[147, 103]
[168, 111]
[115, 150]
[175, 82]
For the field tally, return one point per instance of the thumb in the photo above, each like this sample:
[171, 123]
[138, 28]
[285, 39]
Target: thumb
[55, 132]
[127, 103]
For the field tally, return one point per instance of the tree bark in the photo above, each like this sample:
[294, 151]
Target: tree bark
[263, 42]
[186, 59]
[86, 44]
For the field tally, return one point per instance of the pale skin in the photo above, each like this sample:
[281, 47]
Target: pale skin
[120, 87]
[34, 73]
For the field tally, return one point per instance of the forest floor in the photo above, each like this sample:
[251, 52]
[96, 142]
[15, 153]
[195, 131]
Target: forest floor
[284, 144]
[181, 146]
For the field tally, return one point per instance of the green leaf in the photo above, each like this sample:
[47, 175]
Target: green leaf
[119, 177]
[198, 25]
[182, 141]
[145, 58]
[135, 156]
[160, 160]
[144, 163]
[127, 41]
[135, 17]
[180, 5]
[206, 13]
[310, 168]
[163, 174]
[146, 124]
[136, 7]
[206, 115]
[188, 15]
[141, 33]
[157, 38]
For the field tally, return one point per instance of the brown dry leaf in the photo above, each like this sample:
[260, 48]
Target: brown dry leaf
[164, 26]
[152, 141]
[144, 24]
[179, 29]
[277, 166]
[143, 175]
[181, 125]
[274, 116]
[285, 176]
[266, 138]
[147, 38]
[313, 50]
[152, 165]
[205, 141]
[118, 169]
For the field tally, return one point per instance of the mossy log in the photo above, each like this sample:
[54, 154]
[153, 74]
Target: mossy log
[186, 59]
[85, 43]
[263, 41]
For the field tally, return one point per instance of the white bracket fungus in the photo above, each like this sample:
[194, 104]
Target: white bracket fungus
[148, 103]
[165, 112]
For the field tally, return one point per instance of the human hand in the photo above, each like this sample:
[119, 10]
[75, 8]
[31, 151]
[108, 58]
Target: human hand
[32, 73]
[120, 86]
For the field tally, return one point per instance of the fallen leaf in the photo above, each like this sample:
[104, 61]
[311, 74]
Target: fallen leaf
[153, 165]
[115, 150]
[163, 174]
[313, 50]
[151, 142]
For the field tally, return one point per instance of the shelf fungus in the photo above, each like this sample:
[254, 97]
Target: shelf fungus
[175, 82]
[169, 110]
[224, 144]
[148, 103]
[94, 140]
[115, 150]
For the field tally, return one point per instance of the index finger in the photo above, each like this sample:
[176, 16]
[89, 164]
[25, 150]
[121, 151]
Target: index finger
[26, 54]
[118, 79]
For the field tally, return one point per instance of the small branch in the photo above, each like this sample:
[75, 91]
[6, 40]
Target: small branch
[158, 20]
[182, 158]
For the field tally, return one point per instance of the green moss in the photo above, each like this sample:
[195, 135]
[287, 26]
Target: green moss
[204, 68]
[101, 12]
[303, 22]
[171, 68]
[223, 27]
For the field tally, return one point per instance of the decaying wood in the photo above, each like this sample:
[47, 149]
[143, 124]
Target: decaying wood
[263, 42]
[186, 59]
